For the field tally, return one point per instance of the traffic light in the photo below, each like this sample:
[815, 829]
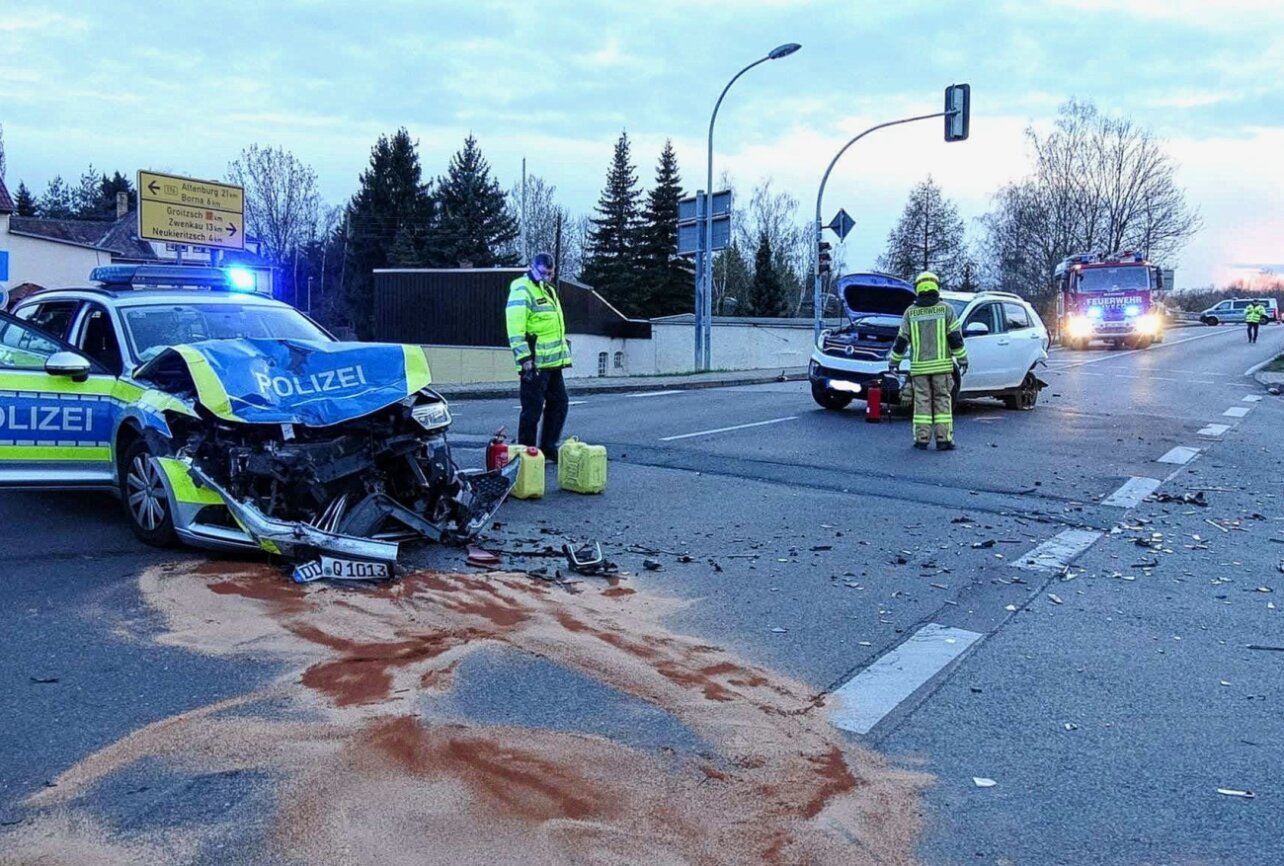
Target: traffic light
[823, 258]
[958, 110]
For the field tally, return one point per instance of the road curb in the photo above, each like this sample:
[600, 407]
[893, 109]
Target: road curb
[496, 391]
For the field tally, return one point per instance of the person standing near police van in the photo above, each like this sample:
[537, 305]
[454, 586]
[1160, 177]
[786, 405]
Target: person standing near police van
[934, 337]
[1253, 315]
[537, 336]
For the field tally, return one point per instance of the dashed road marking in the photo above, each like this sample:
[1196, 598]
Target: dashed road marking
[653, 394]
[728, 429]
[1181, 455]
[1253, 398]
[865, 699]
[1133, 491]
[1213, 430]
[1237, 411]
[1058, 551]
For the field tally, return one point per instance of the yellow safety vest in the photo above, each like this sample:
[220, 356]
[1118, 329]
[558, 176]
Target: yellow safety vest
[535, 324]
[928, 331]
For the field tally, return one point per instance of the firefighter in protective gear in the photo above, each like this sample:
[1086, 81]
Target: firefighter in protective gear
[537, 336]
[1254, 315]
[934, 337]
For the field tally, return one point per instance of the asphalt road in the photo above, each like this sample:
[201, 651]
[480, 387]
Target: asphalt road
[913, 589]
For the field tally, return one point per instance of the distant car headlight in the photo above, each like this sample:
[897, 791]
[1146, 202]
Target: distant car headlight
[1079, 326]
[431, 415]
[1095, 312]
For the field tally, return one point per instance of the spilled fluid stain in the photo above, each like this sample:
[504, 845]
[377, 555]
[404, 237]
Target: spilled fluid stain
[370, 781]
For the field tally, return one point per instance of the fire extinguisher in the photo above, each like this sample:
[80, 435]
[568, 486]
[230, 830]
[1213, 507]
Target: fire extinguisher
[874, 402]
[497, 451]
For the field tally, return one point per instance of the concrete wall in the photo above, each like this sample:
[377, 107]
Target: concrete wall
[49, 263]
[735, 345]
[452, 365]
[624, 357]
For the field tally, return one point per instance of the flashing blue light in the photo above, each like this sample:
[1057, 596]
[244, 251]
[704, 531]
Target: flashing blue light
[1132, 310]
[1094, 312]
[242, 279]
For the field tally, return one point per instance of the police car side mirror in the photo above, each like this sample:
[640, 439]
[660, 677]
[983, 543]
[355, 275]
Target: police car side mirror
[68, 364]
[976, 329]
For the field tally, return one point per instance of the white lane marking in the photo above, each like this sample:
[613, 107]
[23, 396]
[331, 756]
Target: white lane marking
[1058, 551]
[728, 429]
[1181, 455]
[1212, 430]
[1253, 398]
[577, 403]
[865, 699]
[1133, 491]
[654, 394]
[1237, 411]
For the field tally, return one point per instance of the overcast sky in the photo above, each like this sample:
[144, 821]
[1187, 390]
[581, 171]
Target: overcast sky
[183, 87]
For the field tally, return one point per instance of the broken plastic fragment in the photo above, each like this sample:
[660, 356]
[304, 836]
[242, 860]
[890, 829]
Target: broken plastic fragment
[1231, 792]
[983, 782]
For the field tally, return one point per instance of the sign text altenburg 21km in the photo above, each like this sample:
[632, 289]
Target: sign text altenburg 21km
[184, 210]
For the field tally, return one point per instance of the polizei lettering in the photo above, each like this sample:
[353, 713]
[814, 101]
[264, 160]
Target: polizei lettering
[316, 383]
[55, 419]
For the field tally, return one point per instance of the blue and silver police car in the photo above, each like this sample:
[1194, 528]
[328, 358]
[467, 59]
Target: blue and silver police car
[227, 419]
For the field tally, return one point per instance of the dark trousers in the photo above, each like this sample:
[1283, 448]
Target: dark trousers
[1252, 331]
[543, 393]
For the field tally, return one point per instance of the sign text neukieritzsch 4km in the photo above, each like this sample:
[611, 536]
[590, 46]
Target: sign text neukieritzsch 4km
[184, 210]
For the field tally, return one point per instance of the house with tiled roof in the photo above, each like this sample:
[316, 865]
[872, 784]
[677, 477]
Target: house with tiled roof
[53, 253]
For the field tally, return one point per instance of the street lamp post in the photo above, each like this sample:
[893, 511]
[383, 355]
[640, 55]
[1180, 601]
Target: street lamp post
[704, 279]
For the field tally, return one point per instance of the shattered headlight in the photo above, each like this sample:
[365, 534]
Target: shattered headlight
[431, 415]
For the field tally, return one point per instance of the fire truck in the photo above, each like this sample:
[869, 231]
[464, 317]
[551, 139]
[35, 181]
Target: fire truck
[1112, 299]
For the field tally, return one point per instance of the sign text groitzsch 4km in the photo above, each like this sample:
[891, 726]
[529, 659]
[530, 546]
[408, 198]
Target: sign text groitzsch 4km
[184, 210]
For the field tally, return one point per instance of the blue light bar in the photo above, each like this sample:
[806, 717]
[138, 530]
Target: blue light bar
[241, 279]
[150, 276]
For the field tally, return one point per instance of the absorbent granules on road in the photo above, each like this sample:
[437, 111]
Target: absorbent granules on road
[363, 776]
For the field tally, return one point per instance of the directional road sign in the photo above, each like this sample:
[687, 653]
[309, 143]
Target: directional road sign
[841, 224]
[185, 210]
[691, 225]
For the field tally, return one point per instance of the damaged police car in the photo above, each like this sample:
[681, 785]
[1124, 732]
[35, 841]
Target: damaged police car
[226, 419]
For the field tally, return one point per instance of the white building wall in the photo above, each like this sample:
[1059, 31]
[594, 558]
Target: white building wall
[623, 357]
[49, 263]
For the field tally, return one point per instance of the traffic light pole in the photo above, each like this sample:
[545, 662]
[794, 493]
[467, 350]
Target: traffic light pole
[819, 309]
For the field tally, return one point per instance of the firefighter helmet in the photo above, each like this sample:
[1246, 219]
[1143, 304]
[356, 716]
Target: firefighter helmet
[927, 282]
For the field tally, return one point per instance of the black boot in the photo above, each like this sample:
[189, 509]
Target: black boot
[945, 446]
[921, 446]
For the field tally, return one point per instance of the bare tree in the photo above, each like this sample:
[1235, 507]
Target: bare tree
[539, 223]
[2, 160]
[283, 208]
[1099, 184]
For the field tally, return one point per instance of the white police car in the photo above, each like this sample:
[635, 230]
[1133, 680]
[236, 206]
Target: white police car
[1005, 338]
[228, 419]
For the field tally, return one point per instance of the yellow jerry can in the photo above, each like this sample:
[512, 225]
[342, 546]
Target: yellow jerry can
[530, 471]
[581, 468]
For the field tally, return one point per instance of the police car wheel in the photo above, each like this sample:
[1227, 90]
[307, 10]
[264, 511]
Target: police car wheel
[146, 500]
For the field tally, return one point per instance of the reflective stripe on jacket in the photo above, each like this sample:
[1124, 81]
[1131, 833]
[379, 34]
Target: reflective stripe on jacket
[1255, 314]
[934, 336]
[534, 319]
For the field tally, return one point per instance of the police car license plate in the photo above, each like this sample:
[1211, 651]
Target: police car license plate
[334, 568]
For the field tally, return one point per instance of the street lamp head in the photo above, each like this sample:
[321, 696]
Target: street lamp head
[783, 50]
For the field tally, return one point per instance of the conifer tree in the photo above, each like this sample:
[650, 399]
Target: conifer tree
[610, 264]
[668, 282]
[391, 200]
[57, 202]
[767, 294]
[24, 202]
[928, 237]
[475, 225]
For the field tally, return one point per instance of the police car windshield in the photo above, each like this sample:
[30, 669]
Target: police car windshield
[153, 328]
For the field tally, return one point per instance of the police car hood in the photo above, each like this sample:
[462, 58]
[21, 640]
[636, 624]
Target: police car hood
[273, 381]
